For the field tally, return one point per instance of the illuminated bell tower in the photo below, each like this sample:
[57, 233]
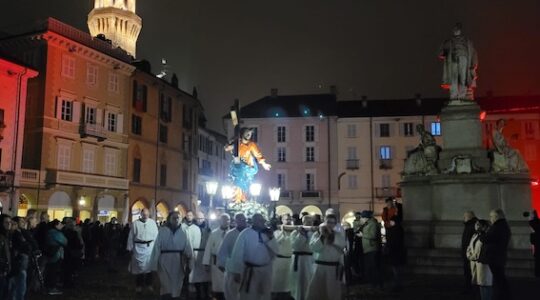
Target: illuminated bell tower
[117, 20]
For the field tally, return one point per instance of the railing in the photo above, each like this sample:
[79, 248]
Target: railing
[6, 180]
[352, 164]
[95, 130]
[385, 192]
[385, 164]
[81, 179]
[310, 194]
[285, 195]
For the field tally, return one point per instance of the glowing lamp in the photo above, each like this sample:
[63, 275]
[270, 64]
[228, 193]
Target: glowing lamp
[535, 182]
[227, 192]
[213, 216]
[274, 192]
[211, 187]
[82, 202]
[255, 189]
[483, 115]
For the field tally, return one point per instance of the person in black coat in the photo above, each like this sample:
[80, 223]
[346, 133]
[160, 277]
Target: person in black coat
[496, 241]
[535, 241]
[395, 249]
[469, 220]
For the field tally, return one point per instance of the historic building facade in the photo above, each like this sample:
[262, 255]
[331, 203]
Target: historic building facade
[213, 164]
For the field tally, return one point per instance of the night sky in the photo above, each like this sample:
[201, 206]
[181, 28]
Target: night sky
[378, 48]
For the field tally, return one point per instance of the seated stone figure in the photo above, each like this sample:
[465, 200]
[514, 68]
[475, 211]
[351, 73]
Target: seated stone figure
[423, 159]
[505, 158]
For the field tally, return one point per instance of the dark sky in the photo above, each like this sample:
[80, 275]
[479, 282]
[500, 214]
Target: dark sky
[378, 48]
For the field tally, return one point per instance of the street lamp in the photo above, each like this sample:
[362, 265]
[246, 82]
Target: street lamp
[227, 192]
[211, 189]
[255, 190]
[274, 192]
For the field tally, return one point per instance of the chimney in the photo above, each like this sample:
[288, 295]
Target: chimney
[273, 92]
[174, 80]
[364, 101]
[418, 98]
[333, 90]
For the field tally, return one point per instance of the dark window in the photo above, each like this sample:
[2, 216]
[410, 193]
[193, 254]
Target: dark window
[163, 175]
[281, 134]
[310, 133]
[310, 153]
[165, 107]
[282, 154]
[140, 92]
[1, 117]
[408, 129]
[255, 135]
[184, 179]
[136, 124]
[310, 182]
[385, 129]
[136, 170]
[163, 133]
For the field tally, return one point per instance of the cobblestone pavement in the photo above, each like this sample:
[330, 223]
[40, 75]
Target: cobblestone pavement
[96, 283]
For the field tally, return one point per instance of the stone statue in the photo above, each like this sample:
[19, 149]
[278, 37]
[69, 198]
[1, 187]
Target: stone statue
[423, 159]
[460, 64]
[505, 158]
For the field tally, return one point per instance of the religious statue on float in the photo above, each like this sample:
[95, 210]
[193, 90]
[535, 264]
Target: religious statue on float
[460, 66]
[505, 158]
[422, 160]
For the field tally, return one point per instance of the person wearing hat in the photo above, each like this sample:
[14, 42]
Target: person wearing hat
[371, 244]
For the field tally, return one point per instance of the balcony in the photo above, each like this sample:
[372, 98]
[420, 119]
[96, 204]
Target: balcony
[385, 192]
[352, 164]
[89, 180]
[94, 130]
[6, 180]
[314, 195]
[206, 171]
[285, 195]
[385, 164]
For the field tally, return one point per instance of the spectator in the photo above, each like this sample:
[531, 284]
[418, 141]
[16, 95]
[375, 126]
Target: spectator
[73, 253]
[469, 220]
[54, 250]
[535, 241]
[20, 252]
[397, 254]
[481, 274]
[357, 251]
[34, 284]
[496, 242]
[371, 244]
[389, 211]
[113, 243]
[5, 255]
[87, 240]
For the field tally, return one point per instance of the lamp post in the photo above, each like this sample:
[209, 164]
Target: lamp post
[274, 192]
[211, 189]
[255, 190]
[227, 192]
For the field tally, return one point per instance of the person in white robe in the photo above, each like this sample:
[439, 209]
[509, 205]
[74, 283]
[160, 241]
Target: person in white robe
[327, 245]
[302, 260]
[251, 260]
[198, 234]
[171, 257]
[281, 270]
[230, 287]
[141, 239]
[210, 256]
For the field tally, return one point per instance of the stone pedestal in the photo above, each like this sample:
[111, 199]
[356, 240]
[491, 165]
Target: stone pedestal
[462, 135]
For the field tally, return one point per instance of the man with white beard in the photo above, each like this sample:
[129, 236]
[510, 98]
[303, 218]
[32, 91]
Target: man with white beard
[198, 234]
[172, 253]
[302, 262]
[210, 256]
[251, 260]
[327, 245]
[230, 287]
[282, 264]
[142, 236]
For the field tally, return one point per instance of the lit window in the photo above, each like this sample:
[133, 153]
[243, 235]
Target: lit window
[385, 153]
[436, 128]
[68, 66]
[114, 84]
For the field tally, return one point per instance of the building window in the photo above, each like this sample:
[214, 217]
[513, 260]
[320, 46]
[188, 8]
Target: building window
[163, 175]
[165, 107]
[385, 129]
[436, 128]
[91, 74]
[68, 66]
[136, 124]
[352, 182]
[310, 181]
[351, 152]
[385, 180]
[114, 84]
[163, 133]
[136, 170]
[255, 135]
[88, 160]
[310, 133]
[282, 181]
[310, 153]
[2, 118]
[385, 153]
[351, 130]
[110, 162]
[112, 121]
[66, 113]
[529, 129]
[90, 115]
[64, 157]
[282, 154]
[140, 92]
[281, 134]
[185, 179]
[408, 129]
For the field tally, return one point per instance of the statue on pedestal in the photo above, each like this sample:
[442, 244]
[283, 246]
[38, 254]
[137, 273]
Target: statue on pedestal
[505, 158]
[423, 159]
[460, 64]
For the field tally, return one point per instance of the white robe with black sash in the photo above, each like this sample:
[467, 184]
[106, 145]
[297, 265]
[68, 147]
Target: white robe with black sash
[230, 287]
[141, 239]
[210, 258]
[282, 262]
[301, 264]
[197, 238]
